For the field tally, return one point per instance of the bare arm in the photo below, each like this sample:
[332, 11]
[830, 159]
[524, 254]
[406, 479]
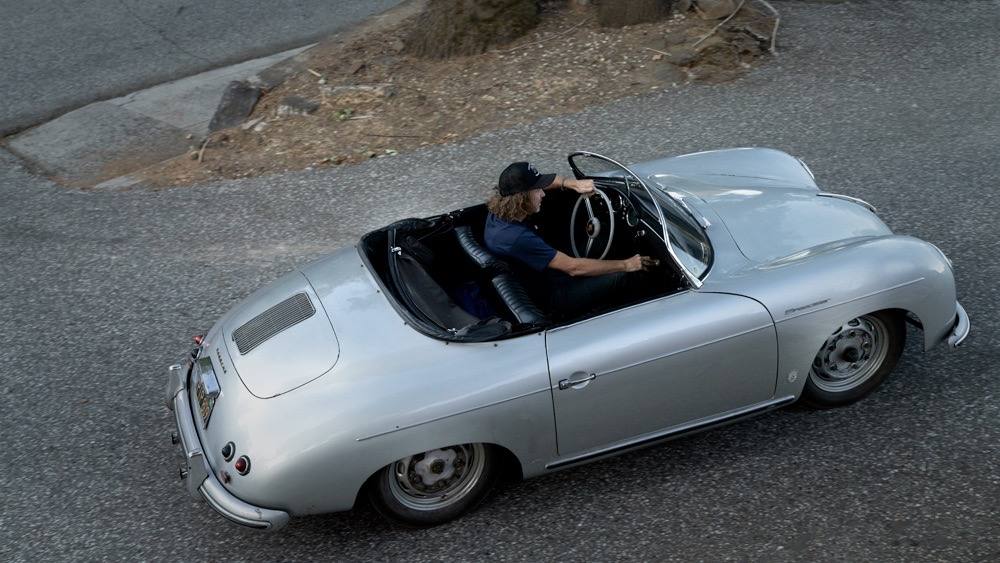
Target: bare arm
[579, 186]
[587, 267]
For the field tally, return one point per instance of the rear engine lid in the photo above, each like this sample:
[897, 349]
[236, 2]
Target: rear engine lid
[280, 337]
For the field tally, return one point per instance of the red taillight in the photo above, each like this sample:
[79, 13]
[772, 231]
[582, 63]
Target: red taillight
[242, 465]
[198, 338]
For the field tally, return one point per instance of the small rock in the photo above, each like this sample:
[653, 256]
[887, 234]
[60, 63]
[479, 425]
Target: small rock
[397, 45]
[238, 101]
[260, 127]
[322, 81]
[297, 105]
[682, 56]
[251, 124]
[193, 155]
[657, 56]
[189, 136]
[715, 9]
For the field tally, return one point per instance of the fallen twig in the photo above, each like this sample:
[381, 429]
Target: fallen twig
[314, 73]
[585, 20]
[201, 152]
[777, 21]
[656, 51]
[722, 23]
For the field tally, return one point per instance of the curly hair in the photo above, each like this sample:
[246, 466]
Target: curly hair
[513, 208]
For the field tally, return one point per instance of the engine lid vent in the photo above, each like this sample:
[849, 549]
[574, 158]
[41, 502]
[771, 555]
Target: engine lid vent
[285, 314]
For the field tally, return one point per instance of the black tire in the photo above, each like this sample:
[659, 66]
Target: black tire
[834, 380]
[406, 500]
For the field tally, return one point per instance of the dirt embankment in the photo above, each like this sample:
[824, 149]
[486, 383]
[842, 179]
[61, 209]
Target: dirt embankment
[364, 98]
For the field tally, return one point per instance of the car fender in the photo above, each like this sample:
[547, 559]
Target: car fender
[811, 293]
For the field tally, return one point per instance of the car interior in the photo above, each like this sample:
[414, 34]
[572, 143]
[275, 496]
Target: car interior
[440, 276]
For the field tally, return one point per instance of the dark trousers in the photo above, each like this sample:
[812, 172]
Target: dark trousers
[575, 297]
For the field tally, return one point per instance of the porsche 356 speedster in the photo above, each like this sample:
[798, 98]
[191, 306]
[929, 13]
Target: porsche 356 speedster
[369, 374]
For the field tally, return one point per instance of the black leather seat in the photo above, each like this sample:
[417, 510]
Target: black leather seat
[482, 257]
[517, 300]
[510, 290]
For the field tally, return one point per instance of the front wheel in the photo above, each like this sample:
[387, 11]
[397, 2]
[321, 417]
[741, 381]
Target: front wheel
[855, 359]
[436, 486]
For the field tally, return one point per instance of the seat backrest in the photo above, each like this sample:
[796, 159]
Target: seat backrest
[513, 294]
[482, 257]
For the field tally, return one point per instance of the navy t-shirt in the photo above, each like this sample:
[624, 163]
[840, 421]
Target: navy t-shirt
[518, 241]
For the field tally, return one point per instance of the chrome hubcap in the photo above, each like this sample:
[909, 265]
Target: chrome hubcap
[851, 355]
[437, 478]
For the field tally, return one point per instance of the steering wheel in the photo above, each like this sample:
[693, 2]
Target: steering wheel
[593, 228]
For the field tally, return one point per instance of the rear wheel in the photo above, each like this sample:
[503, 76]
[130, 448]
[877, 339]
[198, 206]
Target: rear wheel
[855, 359]
[436, 486]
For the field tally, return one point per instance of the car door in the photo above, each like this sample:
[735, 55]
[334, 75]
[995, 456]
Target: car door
[656, 365]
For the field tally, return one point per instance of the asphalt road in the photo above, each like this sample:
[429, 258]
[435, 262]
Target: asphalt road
[57, 55]
[895, 103]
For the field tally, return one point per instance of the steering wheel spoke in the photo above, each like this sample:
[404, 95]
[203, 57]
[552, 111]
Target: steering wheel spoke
[594, 227]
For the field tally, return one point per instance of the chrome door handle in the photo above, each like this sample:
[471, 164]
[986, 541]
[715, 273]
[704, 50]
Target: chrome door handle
[567, 383]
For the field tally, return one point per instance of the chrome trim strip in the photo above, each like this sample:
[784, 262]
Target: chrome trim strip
[415, 424]
[688, 349]
[202, 483]
[860, 202]
[838, 304]
[962, 327]
[675, 432]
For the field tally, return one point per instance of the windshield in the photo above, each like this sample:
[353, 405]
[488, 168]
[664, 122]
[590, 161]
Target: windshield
[686, 241]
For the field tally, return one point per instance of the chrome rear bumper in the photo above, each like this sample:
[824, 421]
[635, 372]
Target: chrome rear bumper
[196, 472]
[961, 329]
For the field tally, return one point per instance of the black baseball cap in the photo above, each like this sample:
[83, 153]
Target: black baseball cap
[522, 177]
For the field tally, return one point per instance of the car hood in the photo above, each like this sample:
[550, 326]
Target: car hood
[768, 222]
[280, 337]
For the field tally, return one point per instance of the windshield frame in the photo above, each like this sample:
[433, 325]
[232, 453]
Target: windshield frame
[624, 174]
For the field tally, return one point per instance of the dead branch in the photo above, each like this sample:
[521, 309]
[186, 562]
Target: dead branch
[201, 153]
[722, 23]
[655, 51]
[777, 21]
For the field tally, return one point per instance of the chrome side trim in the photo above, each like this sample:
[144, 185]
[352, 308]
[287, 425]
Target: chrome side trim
[675, 432]
[962, 327]
[860, 297]
[860, 202]
[200, 481]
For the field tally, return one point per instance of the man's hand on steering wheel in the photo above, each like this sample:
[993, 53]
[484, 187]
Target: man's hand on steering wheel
[636, 263]
[585, 187]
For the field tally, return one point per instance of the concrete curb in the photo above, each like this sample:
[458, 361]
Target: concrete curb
[103, 145]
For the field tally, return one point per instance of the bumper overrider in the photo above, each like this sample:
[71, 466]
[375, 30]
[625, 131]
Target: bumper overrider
[197, 474]
[960, 330]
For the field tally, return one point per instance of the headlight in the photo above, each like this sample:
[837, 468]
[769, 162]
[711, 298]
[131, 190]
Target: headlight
[206, 388]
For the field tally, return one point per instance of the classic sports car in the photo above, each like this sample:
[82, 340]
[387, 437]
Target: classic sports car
[416, 368]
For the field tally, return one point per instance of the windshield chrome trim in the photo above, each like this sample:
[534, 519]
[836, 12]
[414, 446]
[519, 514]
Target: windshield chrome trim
[692, 279]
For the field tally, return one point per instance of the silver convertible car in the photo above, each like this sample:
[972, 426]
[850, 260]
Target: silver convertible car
[416, 369]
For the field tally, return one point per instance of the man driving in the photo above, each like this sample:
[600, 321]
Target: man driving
[568, 286]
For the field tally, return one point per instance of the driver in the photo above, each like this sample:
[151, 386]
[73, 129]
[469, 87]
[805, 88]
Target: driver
[569, 286]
